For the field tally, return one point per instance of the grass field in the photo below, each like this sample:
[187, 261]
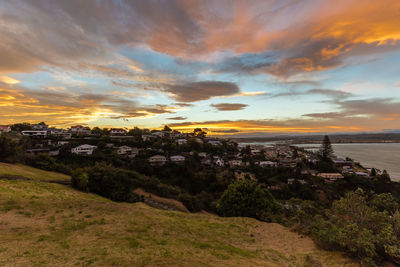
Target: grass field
[45, 224]
[30, 172]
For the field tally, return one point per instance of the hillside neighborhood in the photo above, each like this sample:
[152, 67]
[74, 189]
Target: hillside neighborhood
[81, 140]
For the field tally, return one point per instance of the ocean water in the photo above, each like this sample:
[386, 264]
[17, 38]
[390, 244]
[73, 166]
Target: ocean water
[383, 156]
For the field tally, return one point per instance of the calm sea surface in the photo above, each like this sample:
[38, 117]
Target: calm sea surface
[384, 156]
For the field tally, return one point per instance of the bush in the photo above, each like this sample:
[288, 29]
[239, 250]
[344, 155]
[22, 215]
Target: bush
[80, 180]
[247, 198]
[190, 202]
[113, 183]
[361, 225]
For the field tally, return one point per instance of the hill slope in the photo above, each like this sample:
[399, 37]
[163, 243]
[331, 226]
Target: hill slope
[55, 225]
[30, 172]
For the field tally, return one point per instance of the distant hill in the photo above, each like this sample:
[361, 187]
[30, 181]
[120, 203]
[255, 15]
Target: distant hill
[335, 138]
[46, 224]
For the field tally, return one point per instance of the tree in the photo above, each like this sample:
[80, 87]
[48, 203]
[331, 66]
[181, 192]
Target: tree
[167, 129]
[247, 198]
[137, 132]
[199, 132]
[18, 127]
[326, 150]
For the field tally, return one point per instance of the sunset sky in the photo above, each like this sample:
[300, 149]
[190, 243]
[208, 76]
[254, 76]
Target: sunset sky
[232, 67]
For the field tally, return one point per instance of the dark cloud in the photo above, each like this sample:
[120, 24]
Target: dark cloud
[335, 94]
[182, 104]
[229, 106]
[196, 91]
[177, 118]
[67, 107]
[230, 131]
[374, 109]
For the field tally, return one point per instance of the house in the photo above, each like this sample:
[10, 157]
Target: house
[157, 160]
[84, 149]
[219, 162]
[118, 131]
[158, 134]
[35, 133]
[242, 146]
[80, 130]
[214, 142]
[198, 140]
[292, 180]
[54, 153]
[206, 161]
[40, 127]
[331, 176]
[181, 141]
[202, 154]
[363, 174]
[235, 162]
[5, 129]
[61, 143]
[268, 164]
[60, 133]
[177, 159]
[147, 137]
[128, 151]
[124, 150]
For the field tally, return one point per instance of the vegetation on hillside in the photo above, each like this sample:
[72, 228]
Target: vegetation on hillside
[44, 224]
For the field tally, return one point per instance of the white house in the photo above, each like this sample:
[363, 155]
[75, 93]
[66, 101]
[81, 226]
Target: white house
[181, 141]
[157, 160]
[40, 127]
[124, 150]
[235, 162]
[61, 143]
[215, 143]
[177, 159]
[80, 130]
[331, 176]
[146, 137]
[117, 131]
[364, 174]
[34, 133]
[5, 129]
[159, 134]
[202, 154]
[83, 149]
[268, 164]
[219, 162]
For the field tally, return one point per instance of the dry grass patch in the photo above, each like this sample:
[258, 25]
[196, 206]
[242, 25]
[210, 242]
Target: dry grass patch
[31, 173]
[54, 225]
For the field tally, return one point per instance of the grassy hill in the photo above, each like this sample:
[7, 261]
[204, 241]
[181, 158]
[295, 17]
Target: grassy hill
[31, 173]
[55, 225]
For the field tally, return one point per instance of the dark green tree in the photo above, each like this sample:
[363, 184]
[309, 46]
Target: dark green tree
[326, 150]
[246, 198]
[167, 129]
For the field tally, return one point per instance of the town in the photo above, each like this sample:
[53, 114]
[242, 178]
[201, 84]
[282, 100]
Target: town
[154, 146]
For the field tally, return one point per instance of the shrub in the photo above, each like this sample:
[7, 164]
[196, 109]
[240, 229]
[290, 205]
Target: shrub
[361, 225]
[247, 198]
[80, 180]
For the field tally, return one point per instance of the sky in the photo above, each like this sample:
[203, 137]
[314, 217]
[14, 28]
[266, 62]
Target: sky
[235, 68]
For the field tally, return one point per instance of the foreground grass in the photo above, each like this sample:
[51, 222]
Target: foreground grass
[30, 172]
[43, 224]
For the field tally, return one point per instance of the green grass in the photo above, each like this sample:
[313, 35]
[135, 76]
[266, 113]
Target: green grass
[43, 224]
[30, 172]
